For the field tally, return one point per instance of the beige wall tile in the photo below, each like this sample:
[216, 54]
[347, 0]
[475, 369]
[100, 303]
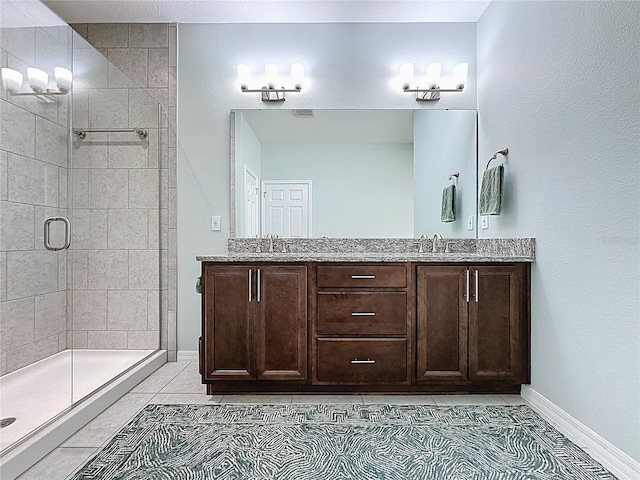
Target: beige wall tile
[108, 340]
[118, 79]
[92, 152]
[31, 353]
[63, 187]
[108, 270]
[51, 142]
[108, 34]
[4, 174]
[143, 188]
[154, 231]
[144, 270]
[173, 167]
[148, 35]
[133, 62]
[173, 46]
[16, 323]
[20, 42]
[172, 254]
[109, 188]
[81, 29]
[109, 108]
[173, 90]
[80, 339]
[89, 310]
[80, 267]
[127, 151]
[90, 69]
[3, 276]
[158, 75]
[127, 310]
[143, 109]
[80, 188]
[89, 229]
[50, 314]
[143, 339]
[51, 52]
[172, 341]
[80, 110]
[17, 129]
[128, 229]
[31, 273]
[16, 226]
[153, 310]
[32, 181]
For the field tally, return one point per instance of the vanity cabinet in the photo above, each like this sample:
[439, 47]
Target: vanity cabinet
[254, 322]
[362, 324]
[473, 324]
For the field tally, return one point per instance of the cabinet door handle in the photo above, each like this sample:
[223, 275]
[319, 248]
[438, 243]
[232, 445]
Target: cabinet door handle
[250, 285]
[466, 295]
[363, 314]
[360, 277]
[363, 362]
[477, 282]
[258, 285]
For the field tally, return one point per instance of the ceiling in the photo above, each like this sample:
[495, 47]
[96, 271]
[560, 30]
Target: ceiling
[268, 11]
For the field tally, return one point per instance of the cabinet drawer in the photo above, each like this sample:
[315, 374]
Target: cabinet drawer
[370, 313]
[362, 360]
[357, 275]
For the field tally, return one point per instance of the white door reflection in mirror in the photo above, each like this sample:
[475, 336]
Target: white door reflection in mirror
[252, 197]
[286, 208]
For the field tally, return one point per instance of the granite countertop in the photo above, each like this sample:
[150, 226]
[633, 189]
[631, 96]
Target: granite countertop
[361, 257]
[377, 250]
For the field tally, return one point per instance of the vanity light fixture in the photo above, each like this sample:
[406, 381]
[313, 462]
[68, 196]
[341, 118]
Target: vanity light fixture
[432, 90]
[271, 92]
[38, 81]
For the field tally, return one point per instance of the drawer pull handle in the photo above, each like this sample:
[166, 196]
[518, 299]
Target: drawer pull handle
[363, 314]
[360, 277]
[363, 362]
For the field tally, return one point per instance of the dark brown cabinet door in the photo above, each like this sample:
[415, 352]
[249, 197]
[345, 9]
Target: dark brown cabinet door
[228, 319]
[254, 322]
[442, 324]
[496, 323]
[281, 323]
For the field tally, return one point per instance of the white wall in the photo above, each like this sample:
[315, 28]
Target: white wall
[559, 84]
[348, 66]
[358, 190]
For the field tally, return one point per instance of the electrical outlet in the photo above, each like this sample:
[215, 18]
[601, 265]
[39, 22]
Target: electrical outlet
[484, 222]
[215, 223]
[470, 222]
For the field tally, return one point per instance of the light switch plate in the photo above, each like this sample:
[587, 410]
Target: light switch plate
[215, 223]
[470, 222]
[484, 221]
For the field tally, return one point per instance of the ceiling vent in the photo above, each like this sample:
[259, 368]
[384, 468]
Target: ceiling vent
[304, 113]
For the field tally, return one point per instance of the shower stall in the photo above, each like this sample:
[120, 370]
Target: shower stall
[83, 197]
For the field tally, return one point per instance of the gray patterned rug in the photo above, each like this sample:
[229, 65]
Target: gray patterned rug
[340, 442]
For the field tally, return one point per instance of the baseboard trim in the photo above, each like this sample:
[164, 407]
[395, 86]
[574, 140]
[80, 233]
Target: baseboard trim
[610, 456]
[188, 356]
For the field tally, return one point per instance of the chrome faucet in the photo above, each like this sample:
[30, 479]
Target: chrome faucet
[271, 237]
[420, 244]
[434, 242]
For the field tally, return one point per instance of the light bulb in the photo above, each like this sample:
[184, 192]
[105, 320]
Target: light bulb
[38, 79]
[63, 78]
[460, 73]
[433, 75]
[11, 79]
[406, 75]
[244, 74]
[297, 75]
[271, 75]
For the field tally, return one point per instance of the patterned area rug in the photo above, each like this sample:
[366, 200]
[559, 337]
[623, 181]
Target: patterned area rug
[340, 442]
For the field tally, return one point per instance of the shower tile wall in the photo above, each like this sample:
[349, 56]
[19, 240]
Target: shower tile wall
[147, 54]
[33, 186]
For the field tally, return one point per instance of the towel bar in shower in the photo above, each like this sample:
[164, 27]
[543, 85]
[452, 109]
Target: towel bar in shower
[82, 132]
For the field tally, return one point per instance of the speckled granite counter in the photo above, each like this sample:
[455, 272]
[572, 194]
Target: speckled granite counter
[378, 250]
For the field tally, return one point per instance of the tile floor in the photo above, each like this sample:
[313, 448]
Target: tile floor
[179, 383]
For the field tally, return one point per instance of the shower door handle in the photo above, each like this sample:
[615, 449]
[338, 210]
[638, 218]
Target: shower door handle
[47, 233]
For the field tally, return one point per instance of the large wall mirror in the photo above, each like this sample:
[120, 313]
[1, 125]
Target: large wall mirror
[352, 173]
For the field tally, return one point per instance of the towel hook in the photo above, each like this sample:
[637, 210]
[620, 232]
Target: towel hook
[454, 177]
[504, 151]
